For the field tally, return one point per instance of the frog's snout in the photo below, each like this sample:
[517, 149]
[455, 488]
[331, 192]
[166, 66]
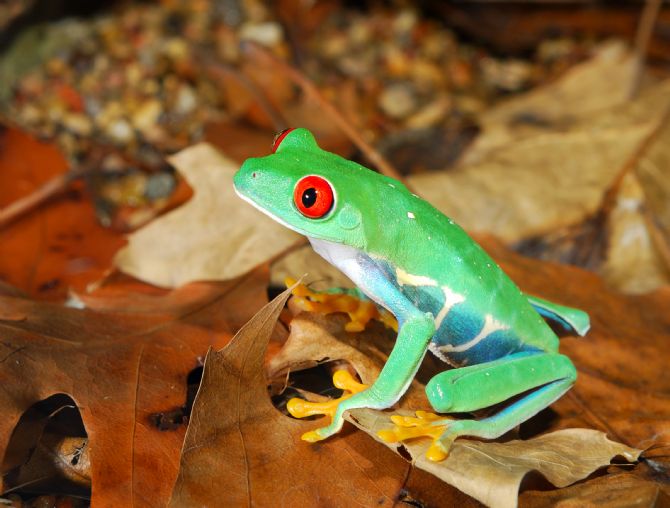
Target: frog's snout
[245, 176]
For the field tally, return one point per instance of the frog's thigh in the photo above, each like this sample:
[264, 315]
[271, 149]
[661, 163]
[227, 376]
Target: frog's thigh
[479, 386]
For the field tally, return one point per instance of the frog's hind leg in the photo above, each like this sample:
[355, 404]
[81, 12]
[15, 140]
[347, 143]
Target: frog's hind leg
[549, 375]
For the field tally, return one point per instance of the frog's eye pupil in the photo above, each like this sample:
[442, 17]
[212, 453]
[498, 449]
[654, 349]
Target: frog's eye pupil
[309, 197]
[313, 196]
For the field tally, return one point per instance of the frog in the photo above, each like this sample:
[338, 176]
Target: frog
[447, 294]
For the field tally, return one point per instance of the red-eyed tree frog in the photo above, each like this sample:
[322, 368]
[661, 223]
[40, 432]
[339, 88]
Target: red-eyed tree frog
[447, 294]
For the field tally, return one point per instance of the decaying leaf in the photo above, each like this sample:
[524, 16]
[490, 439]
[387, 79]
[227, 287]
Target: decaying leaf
[215, 236]
[597, 85]
[266, 464]
[548, 180]
[634, 263]
[120, 368]
[492, 472]
[58, 246]
[622, 490]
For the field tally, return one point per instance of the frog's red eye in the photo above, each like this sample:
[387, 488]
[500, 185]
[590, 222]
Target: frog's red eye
[313, 196]
[279, 138]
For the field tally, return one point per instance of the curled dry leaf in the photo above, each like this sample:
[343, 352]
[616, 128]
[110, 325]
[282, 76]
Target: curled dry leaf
[238, 447]
[492, 472]
[231, 237]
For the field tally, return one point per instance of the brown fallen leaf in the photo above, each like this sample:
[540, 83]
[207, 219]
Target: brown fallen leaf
[492, 472]
[633, 262]
[58, 246]
[230, 238]
[597, 85]
[120, 368]
[554, 178]
[622, 490]
[238, 447]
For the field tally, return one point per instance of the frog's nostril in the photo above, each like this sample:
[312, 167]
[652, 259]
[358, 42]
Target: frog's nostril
[253, 175]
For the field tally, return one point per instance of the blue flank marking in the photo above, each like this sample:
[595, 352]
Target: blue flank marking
[461, 325]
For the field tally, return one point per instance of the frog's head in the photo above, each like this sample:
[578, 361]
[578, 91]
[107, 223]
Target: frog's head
[309, 190]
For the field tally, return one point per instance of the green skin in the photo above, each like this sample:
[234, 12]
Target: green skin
[448, 295]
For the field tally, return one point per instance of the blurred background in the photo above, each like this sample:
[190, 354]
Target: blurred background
[538, 122]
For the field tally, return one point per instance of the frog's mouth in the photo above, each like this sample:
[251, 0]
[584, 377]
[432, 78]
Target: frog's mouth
[268, 213]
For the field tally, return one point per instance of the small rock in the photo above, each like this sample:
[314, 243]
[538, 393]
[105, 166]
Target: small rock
[159, 185]
[186, 100]
[120, 131]
[147, 115]
[78, 123]
[430, 115]
[268, 34]
[398, 100]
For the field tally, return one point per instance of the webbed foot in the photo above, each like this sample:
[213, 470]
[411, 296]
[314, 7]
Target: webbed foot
[360, 312]
[425, 424]
[300, 408]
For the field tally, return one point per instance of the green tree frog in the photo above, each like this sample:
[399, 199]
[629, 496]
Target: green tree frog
[446, 293]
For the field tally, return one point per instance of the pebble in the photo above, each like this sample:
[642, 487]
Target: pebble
[78, 123]
[147, 115]
[398, 100]
[268, 34]
[159, 185]
[120, 131]
[186, 101]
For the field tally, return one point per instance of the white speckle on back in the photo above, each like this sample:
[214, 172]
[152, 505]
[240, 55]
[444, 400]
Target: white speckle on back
[491, 325]
[391, 185]
[410, 215]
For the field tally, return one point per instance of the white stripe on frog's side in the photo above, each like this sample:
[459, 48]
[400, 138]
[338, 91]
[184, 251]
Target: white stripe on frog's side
[451, 298]
[408, 279]
[491, 325]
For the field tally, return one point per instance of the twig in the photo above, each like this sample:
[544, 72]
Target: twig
[25, 204]
[645, 30]
[220, 70]
[308, 87]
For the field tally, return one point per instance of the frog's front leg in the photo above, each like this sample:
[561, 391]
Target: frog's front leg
[393, 380]
[415, 331]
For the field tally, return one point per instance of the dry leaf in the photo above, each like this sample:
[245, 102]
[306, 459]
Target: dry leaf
[547, 180]
[215, 236]
[238, 447]
[633, 263]
[492, 472]
[597, 85]
[621, 490]
[120, 368]
[59, 245]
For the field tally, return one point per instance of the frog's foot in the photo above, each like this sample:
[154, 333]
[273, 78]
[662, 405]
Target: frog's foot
[360, 312]
[300, 408]
[425, 424]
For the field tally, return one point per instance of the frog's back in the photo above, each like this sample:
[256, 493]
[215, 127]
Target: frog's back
[480, 314]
